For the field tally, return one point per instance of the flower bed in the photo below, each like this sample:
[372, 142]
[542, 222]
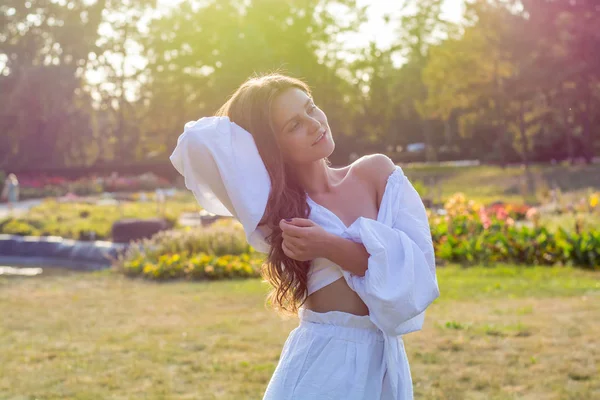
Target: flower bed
[472, 234]
[217, 252]
[468, 234]
[201, 266]
[54, 186]
[82, 221]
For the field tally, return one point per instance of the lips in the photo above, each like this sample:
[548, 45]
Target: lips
[320, 137]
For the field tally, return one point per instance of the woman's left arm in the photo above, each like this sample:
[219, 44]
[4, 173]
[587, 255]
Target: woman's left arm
[349, 255]
[400, 281]
[391, 268]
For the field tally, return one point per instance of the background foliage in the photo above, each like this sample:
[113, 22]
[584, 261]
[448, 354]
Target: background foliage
[110, 82]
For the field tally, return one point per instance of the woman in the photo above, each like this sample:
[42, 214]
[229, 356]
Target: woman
[349, 249]
[10, 192]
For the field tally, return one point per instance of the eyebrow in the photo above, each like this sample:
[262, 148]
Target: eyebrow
[310, 100]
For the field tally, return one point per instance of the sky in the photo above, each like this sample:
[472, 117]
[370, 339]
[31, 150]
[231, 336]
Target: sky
[376, 29]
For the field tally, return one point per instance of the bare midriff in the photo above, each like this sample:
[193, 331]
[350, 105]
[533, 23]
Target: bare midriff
[336, 297]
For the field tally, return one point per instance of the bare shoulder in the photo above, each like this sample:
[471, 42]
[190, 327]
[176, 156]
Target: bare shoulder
[374, 167]
[375, 170]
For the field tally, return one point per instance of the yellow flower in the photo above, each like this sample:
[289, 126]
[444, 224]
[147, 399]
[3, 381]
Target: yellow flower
[594, 199]
[149, 268]
[209, 269]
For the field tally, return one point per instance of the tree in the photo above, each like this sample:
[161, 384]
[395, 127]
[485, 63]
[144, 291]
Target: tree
[44, 46]
[419, 28]
[197, 57]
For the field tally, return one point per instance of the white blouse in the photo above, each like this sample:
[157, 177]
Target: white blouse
[222, 167]
[400, 281]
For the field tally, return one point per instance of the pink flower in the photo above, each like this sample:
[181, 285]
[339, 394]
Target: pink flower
[485, 220]
[531, 213]
[501, 214]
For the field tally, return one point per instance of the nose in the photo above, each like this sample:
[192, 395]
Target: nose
[316, 124]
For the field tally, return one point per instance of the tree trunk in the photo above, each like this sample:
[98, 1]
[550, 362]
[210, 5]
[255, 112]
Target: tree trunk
[525, 144]
[430, 152]
[500, 115]
[567, 119]
[588, 143]
[448, 131]
[523, 132]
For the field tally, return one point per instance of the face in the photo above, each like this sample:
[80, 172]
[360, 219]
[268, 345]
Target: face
[301, 128]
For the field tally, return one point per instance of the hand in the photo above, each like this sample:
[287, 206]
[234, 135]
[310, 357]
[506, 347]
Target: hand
[303, 240]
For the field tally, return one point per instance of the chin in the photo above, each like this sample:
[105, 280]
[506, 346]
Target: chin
[326, 149]
[330, 149]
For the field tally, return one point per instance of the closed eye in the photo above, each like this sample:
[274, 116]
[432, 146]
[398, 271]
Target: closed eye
[311, 108]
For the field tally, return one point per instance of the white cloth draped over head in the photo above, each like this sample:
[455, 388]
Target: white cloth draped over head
[222, 167]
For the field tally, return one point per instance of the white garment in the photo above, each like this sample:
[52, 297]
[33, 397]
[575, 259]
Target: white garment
[399, 284]
[335, 356]
[222, 167]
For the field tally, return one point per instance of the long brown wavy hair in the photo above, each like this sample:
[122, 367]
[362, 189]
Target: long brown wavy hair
[250, 108]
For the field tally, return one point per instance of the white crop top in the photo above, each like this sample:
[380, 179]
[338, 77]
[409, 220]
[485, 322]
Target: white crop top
[324, 272]
[400, 281]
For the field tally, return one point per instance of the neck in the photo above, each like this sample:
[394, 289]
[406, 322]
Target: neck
[316, 178]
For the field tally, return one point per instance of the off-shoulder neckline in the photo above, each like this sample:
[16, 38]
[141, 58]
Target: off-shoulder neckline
[396, 172]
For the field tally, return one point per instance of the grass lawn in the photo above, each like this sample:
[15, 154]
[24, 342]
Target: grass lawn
[567, 221]
[490, 183]
[499, 333]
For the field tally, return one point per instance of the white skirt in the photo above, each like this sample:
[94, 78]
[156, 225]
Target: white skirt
[335, 356]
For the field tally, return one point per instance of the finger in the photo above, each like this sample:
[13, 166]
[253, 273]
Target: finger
[286, 250]
[291, 229]
[294, 245]
[289, 235]
[301, 222]
[285, 225]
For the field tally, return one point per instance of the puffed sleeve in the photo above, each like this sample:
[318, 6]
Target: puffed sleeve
[400, 281]
[222, 167]
[194, 159]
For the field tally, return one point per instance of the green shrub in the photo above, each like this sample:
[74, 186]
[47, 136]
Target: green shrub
[17, 227]
[218, 240]
[200, 266]
[84, 221]
[420, 188]
[216, 252]
[470, 234]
